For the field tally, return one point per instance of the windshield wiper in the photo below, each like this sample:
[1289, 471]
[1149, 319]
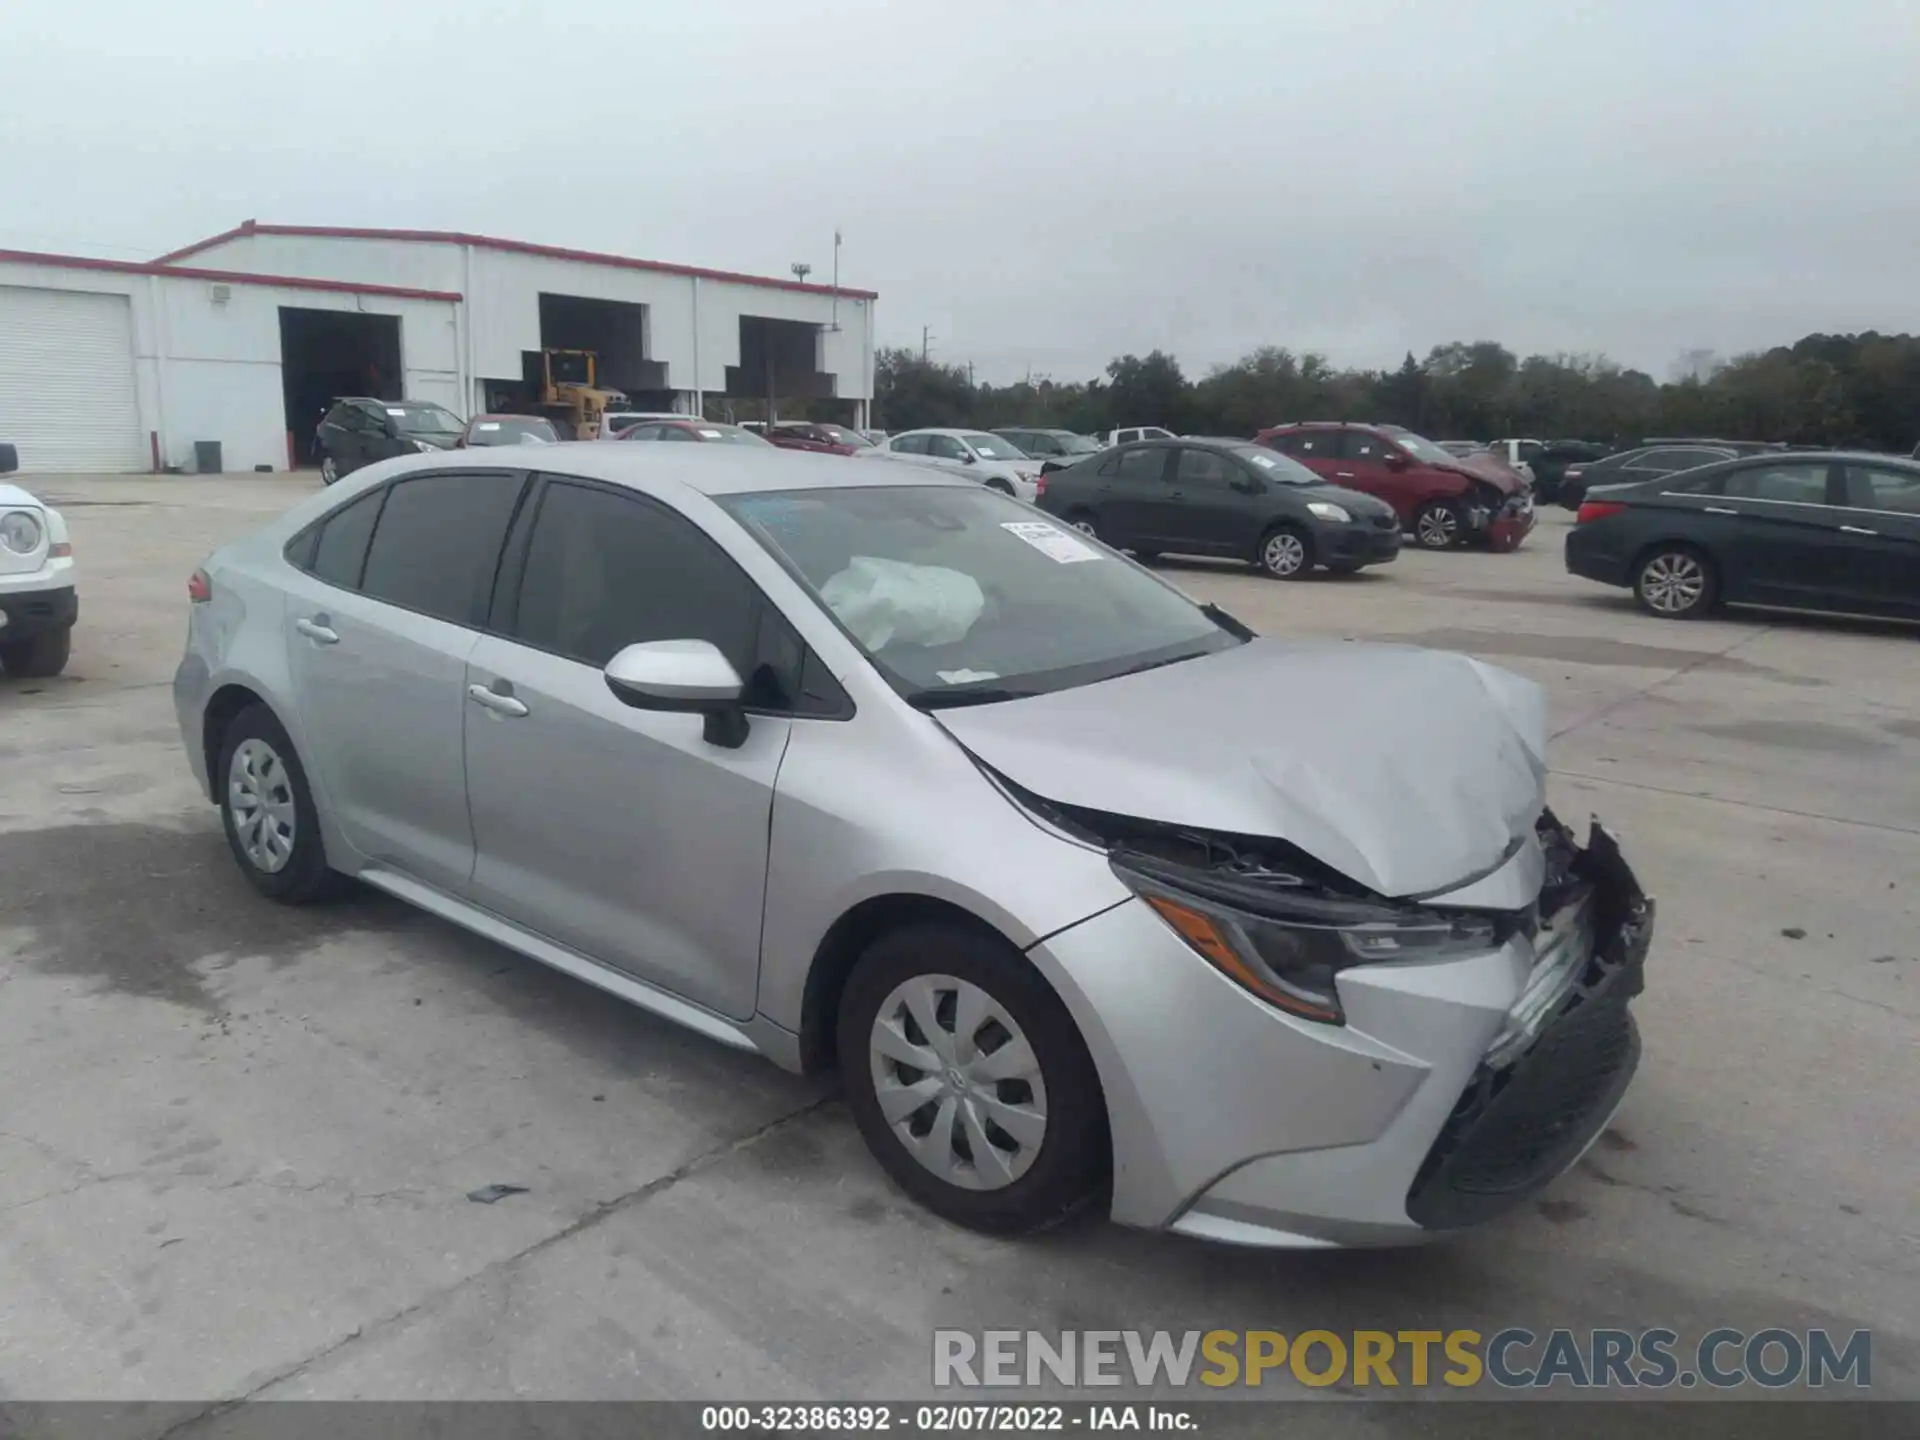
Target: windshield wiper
[1227, 622]
[953, 699]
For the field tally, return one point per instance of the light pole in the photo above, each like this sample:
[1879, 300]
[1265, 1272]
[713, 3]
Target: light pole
[834, 321]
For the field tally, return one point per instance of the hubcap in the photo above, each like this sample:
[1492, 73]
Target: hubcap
[1673, 583]
[1437, 527]
[1284, 554]
[260, 798]
[958, 1082]
[1085, 527]
[328, 471]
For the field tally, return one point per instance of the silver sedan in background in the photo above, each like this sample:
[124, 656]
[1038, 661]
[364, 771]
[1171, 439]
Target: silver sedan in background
[1084, 889]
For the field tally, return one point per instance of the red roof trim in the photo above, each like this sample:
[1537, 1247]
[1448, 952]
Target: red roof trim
[522, 247]
[224, 277]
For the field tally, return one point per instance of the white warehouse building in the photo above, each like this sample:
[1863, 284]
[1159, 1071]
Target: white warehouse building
[243, 339]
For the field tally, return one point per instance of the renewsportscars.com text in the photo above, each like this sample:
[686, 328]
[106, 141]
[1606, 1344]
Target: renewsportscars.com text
[1512, 1358]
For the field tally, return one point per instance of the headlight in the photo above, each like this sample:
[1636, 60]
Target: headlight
[1286, 945]
[424, 448]
[20, 531]
[1327, 510]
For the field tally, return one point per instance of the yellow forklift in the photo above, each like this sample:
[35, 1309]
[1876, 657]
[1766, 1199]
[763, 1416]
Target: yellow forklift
[571, 397]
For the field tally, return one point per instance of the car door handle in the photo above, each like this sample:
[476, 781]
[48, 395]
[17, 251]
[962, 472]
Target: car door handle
[1856, 530]
[1719, 510]
[493, 700]
[1343, 475]
[318, 631]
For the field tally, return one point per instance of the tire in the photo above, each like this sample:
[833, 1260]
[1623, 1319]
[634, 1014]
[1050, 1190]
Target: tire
[1344, 567]
[1083, 521]
[1002, 486]
[1285, 553]
[296, 873]
[329, 471]
[40, 658]
[1676, 582]
[1051, 1169]
[1147, 557]
[1438, 525]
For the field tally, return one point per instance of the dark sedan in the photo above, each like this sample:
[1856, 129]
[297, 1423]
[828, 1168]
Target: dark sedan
[1647, 461]
[1830, 531]
[1232, 499]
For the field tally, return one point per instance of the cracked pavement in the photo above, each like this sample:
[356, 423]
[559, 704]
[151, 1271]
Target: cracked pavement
[236, 1141]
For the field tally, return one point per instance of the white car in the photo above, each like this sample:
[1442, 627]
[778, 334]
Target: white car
[1517, 455]
[614, 421]
[37, 600]
[995, 463]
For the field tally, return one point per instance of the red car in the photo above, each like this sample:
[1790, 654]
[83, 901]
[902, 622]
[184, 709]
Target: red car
[1445, 500]
[507, 430]
[706, 431]
[821, 439]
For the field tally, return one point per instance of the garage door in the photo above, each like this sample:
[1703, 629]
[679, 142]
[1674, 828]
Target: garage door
[66, 380]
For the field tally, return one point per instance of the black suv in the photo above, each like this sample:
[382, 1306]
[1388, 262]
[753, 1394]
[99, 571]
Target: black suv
[358, 430]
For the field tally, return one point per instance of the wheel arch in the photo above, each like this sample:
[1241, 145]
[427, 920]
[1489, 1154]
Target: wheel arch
[226, 702]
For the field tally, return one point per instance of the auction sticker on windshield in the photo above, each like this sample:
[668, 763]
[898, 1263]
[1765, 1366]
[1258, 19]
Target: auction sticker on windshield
[1054, 543]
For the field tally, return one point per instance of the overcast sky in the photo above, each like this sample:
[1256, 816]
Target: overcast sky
[1045, 185]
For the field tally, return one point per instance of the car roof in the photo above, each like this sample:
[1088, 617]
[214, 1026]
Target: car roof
[703, 469]
[511, 415]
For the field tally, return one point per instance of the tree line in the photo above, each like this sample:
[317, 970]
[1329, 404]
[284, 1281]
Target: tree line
[1857, 391]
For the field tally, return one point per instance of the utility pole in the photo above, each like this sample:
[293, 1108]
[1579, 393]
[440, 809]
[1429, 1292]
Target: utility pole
[970, 374]
[834, 323]
[925, 335]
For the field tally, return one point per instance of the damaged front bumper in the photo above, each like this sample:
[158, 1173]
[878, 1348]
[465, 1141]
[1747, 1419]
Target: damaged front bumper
[1454, 1088]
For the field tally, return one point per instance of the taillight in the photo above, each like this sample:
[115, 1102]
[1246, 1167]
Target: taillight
[1597, 510]
[1039, 486]
[199, 588]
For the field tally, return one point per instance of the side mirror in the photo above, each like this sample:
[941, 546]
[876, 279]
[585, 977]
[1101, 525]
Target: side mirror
[685, 676]
[9, 459]
[1397, 460]
[969, 459]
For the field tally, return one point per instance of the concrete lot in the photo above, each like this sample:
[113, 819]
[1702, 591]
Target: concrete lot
[236, 1140]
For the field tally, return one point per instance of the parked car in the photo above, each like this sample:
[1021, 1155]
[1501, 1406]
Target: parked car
[1089, 891]
[1646, 462]
[1127, 434]
[358, 430]
[1054, 449]
[817, 438]
[875, 437]
[1444, 500]
[38, 600]
[1461, 448]
[484, 430]
[707, 431]
[974, 454]
[1234, 499]
[1517, 455]
[615, 422]
[1830, 531]
[1553, 460]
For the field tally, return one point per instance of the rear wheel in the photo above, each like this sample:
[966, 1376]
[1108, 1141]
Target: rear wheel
[1001, 485]
[329, 471]
[1286, 553]
[969, 1081]
[40, 658]
[1082, 520]
[1437, 525]
[267, 811]
[1676, 582]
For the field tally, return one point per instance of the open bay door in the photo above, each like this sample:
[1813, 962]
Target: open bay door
[67, 396]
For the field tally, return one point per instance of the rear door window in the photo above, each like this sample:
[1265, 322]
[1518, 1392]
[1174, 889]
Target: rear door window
[1316, 444]
[1789, 484]
[1143, 466]
[438, 541]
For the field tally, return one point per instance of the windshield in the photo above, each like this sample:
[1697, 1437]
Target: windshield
[730, 435]
[993, 447]
[423, 420]
[1280, 469]
[960, 595]
[529, 431]
[1421, 448]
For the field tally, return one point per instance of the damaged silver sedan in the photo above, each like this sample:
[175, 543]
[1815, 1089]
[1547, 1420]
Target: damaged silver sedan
[1085, 890]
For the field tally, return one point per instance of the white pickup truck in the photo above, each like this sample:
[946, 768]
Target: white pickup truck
[1127, 434]
[37, 601]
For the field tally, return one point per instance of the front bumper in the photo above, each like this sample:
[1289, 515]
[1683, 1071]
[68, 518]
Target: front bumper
[1361, 542]
[1232, 1121]
[1506, 527]
[25, 614]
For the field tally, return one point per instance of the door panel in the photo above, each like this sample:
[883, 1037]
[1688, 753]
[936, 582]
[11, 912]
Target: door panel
[1879, 535]
[1785, 548]
[1201, 512]
[381, 712]
[1134, 497]
[621, 833]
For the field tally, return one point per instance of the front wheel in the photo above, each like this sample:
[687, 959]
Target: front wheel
[40, 658]
[1002, 486]
[1286, 553]
[1676, 583]
[969, 1081]
[329, 471]
[1437, 525]
[266, 808]
[1082, 520]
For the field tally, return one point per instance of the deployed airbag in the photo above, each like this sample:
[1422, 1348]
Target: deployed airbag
[886, 602]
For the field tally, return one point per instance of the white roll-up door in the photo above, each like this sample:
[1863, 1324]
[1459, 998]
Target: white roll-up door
[67, 397]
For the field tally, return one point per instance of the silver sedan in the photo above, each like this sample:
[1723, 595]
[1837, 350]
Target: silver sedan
[1085, 890]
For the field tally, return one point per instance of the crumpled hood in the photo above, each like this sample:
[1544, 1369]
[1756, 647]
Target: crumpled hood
[1484, 467]
[1409, 771]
